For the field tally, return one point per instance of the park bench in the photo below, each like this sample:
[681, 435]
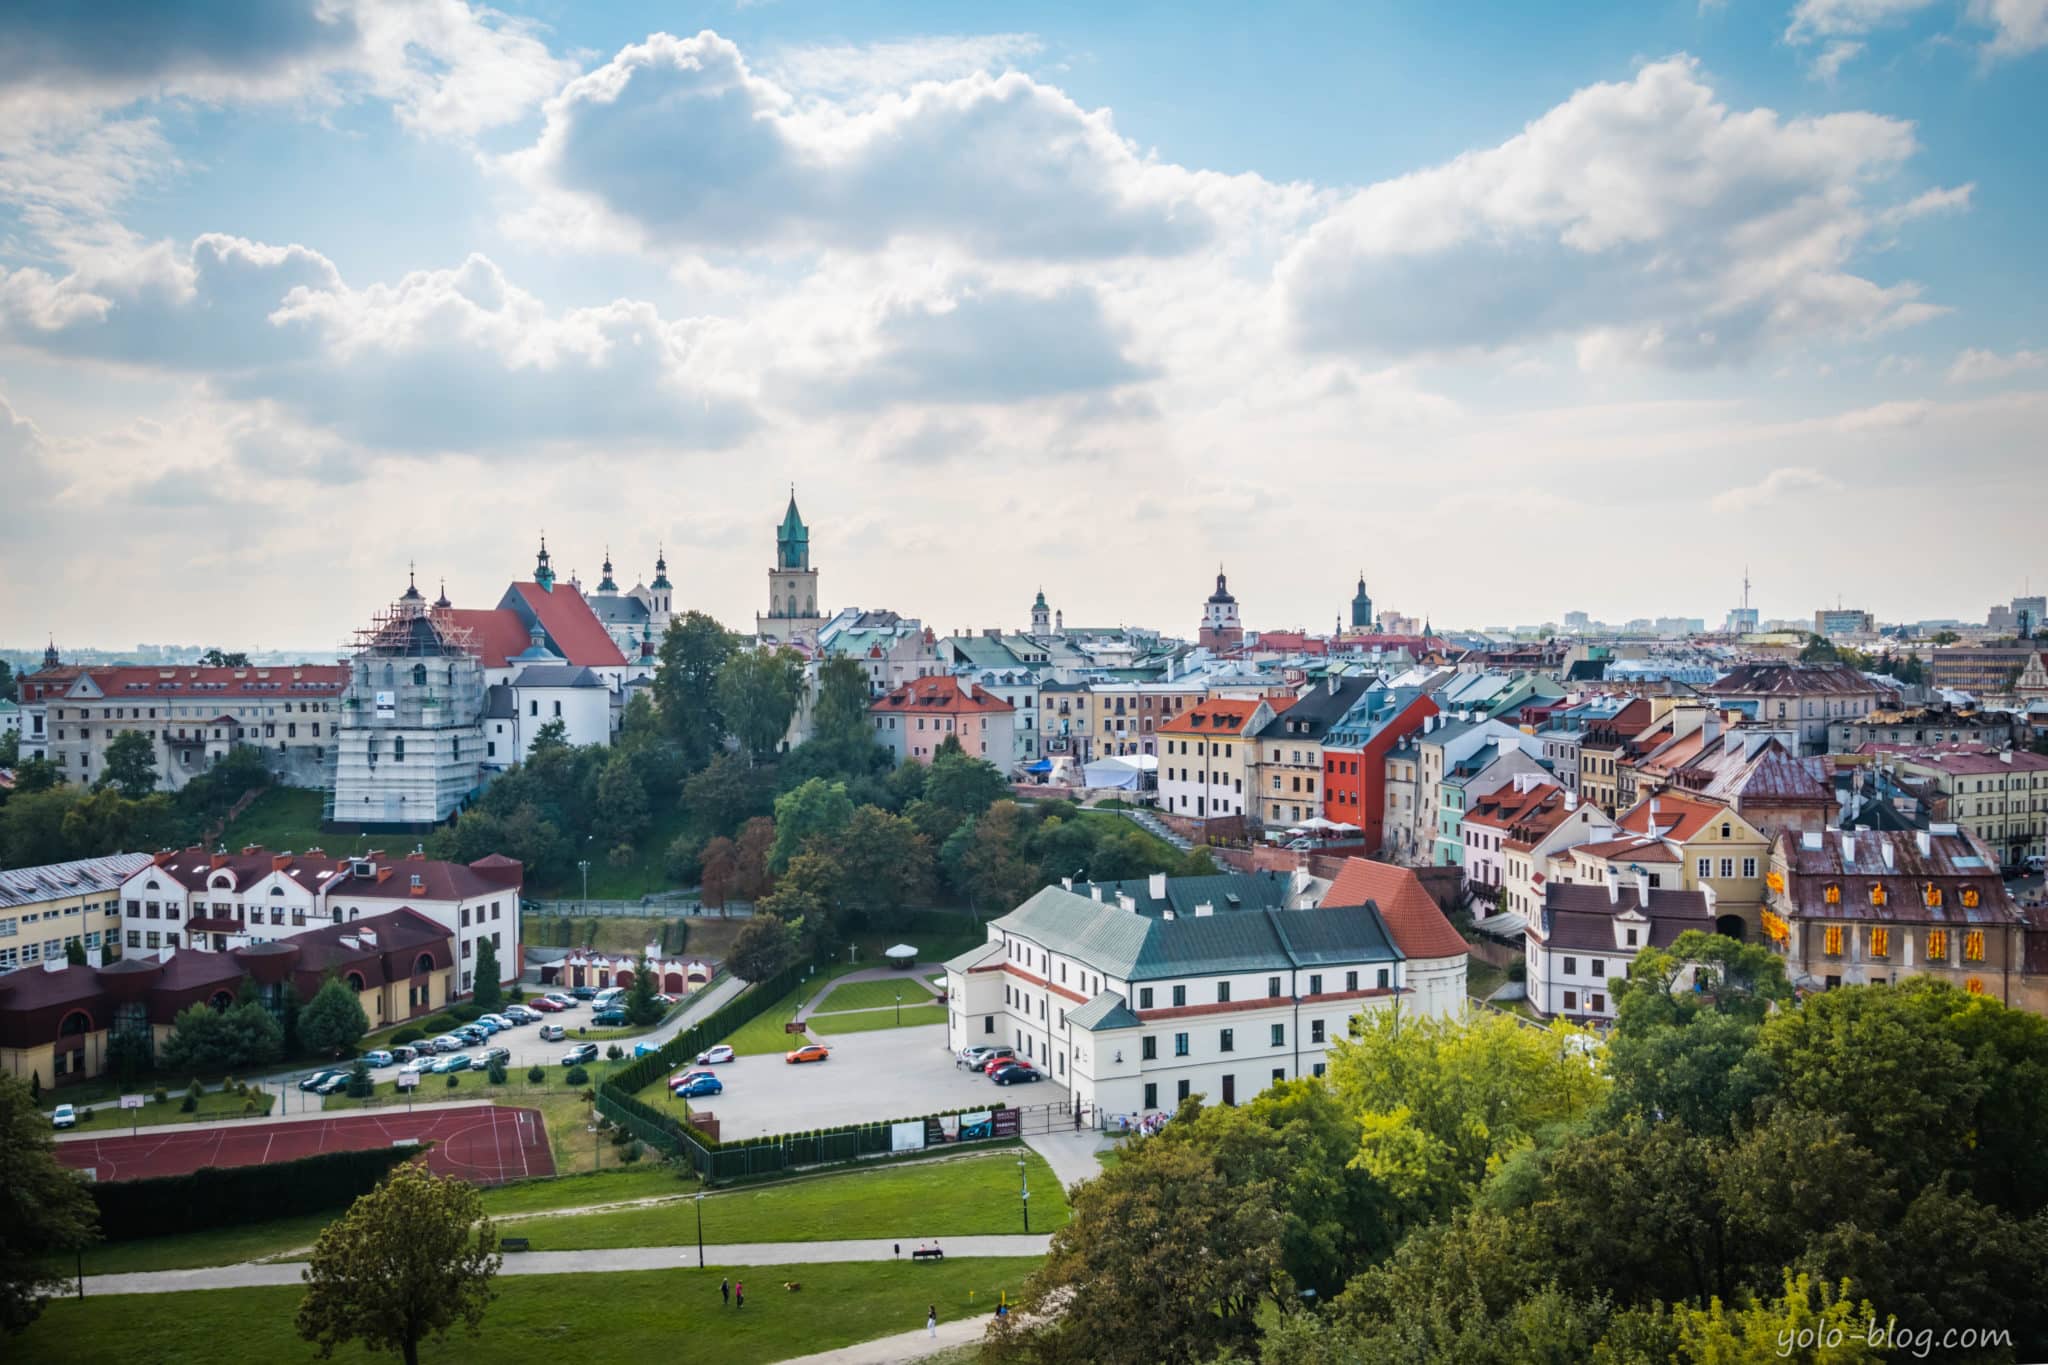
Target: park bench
[928, 1254]
[513, 1244]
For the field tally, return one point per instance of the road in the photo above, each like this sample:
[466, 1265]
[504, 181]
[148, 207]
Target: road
[256, 1273]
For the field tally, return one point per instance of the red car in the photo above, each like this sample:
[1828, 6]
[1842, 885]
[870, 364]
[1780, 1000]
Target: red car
[989, 1067]
[543, 1004]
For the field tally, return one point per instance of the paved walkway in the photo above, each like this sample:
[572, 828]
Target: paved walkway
[1070, 1154]
[909, 979]
[579, 1262]
[902, 1347]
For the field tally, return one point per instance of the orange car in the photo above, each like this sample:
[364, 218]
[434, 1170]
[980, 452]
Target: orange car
[809, 1052]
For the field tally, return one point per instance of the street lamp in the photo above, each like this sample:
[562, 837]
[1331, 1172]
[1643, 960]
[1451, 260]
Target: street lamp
[1024, 1193]
[899, 1007]
[700, 1229]
[583, 866]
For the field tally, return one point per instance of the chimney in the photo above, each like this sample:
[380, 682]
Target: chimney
[216, 860]
[1925, 841]
[1169, 914]
[1155, 886]
[250, 850]
[2005, 757]
[1571, 801]
[164, 858]
[280, 861]
[1613, 887]
[1095, 890]
[1848, 848]
[1890, 851]
[1125, 903]
[1643, 889]
[1066, 883]
[1205, 908]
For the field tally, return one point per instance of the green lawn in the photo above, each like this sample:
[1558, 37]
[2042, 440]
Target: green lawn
[867, 1021]
[1482, 978]
[108, 1116]
[861, 995]
[942, 1197]
[289, 818]
[633, 1315]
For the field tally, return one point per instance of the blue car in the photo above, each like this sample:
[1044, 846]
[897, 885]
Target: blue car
[701, 1085]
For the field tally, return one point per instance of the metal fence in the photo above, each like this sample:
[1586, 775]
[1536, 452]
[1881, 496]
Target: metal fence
[647, 907]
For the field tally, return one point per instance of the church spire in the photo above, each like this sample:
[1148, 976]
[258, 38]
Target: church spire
[442, 603]
[605, 584]
[793, 538]
[542, 573]
[660, 569]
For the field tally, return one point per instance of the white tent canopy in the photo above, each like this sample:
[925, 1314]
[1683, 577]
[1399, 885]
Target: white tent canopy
[899, 952]
[1125, 773]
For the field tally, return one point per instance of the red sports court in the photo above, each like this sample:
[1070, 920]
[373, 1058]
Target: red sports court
[485, 1145]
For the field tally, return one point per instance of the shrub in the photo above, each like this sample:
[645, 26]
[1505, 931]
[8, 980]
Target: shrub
[162, 1096]
[537, 1075]
[620, 1137]
[516, 995]
[577, 1076]
[249, 1106]
[360, 1085]
[454, 1079]
[1518, 970]
[192, 1094]
[614, 1052]
[631, 1153]
[496, 1073]
[468, 1012]
[406, 1035]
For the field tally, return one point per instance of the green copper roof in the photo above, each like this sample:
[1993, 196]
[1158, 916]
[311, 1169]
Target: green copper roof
[792, 539]
[1106, 1011]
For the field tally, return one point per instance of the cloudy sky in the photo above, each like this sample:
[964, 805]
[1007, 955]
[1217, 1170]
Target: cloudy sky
[1515, 315]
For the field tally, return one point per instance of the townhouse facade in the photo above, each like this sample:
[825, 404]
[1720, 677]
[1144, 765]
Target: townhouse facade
[1807, 698]
[1998, 797]
[1355, 761]
[1289, 772]
[912, 721]
[1207, 754]
[1586, 936]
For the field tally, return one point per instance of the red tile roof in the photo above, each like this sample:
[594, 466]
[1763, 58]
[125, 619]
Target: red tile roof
[571, 624]
[496, 634]
[1418, 926]
[943, 696]
[1675, 817]
[1641, 849]
[1538, 810]
[1222, 715]
[291, 680]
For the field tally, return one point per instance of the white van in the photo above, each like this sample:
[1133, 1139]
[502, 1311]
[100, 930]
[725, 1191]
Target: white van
[608, 995]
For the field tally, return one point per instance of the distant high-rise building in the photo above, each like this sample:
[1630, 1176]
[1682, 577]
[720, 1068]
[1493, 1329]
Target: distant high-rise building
[1843, 621]
[1741, 621]
[1577, 622]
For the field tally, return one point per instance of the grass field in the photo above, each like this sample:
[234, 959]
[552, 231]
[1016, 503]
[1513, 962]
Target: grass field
[109, 1117]
[1482, 978]
[289, 818]
[868, 1021]
[635, 1315]
[950, 1197]
[862, 995]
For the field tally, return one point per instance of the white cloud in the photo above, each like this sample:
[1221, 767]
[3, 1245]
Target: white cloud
[1833, 57]
[1646, 219]
[1774, 488]
[1976, 367]
[677, 143]
[2019, 26]
[843, 69]
[1813, 19]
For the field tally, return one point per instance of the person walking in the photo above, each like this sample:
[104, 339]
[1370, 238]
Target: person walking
[931, 1321]
[899, 1250]
[725, 1291]
[739, 1293]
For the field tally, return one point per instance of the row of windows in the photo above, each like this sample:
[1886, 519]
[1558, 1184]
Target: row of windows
[1226, 1040]
[1705, 867]
[1229, 1087]
[1936, 946]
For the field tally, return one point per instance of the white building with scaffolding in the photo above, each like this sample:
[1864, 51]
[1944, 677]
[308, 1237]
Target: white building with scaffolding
[410, 745]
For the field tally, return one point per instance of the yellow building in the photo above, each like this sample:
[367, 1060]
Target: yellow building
[1998, 797]
[45, 909]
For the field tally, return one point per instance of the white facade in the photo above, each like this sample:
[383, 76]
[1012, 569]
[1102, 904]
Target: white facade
[1205, 776]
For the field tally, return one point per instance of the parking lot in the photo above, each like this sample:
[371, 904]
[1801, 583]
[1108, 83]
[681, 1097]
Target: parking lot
[886, 1074]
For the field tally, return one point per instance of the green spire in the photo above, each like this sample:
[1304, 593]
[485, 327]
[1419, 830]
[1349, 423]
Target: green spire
[605, 584]
[660, 570]
[792, 538]
[542, 574]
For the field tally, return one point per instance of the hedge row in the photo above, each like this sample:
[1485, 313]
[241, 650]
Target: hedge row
[220, 1197]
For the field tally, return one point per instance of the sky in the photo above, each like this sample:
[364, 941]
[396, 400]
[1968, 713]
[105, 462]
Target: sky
[1516, 309]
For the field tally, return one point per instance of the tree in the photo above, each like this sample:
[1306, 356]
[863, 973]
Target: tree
[763, 947]
[621, 801]
[333, 1019]
[642, 1009]
[130, 765]
[36, 775]
[751, 878]
[216, 658]
[726, 792]
[408, 1261]
[1808, 1323]
[965, 786]
[809, 887]
[758, 691]
[486, 991]
[207, 1041]
[1944, 637]
[693, 650]
[10, 742]
[74, 952]
[886, 866]
[719, 864]
[552, 736]
[1163, 1259]
[45, 1209]
[989, 865]
[840, 714]
[816, 810]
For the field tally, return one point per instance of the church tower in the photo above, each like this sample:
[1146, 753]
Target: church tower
[605, 586]
[661, 590]
[1361, 606]
[1041, 615]
[792, 583]
[1220, 626]
[543, 574]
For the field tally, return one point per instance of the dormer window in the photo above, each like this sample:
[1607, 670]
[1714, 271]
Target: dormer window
[1832, 894]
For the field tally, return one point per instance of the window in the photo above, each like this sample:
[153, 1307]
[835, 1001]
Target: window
[1144, 997]
[1318, 1070]
[1279, 1035]
[1273, 987]
[1727, 867]
[1973, 946]
[1631, 938]
[1181, 1091]
[1315, 983]
[1382, 979]
[1600, 968]
[1151, 1095]
[1706, 867]
[1937, 945]
[1571, 966]
[1180, 1045]
[1315, 1030]
[988, 1023]
[1229, 1042]
[1880, 942]
[1596, 1003]
[1223, 992]
[1148, 1048]
[1749, 867]
[1831, 940]
[1180, 996]
[1351, 981]
[1571, 1000]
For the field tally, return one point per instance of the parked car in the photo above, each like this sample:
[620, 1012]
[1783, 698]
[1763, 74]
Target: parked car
[1017, 1073]
[701, 1085]
[581, 1053]
[664, 997]
[583, 992]
[680, 1081]
[498, 1022]
[552, 1033]
[63, 1116]
[496, 1054]
[713, 1056]
[333, 1085]
[809, 1052]
[975, 1058]
[521, 1014]
[488, 1024]
[612, 1017]
[473, 1034]
[562, 999]
[378, 1058]
[608, 995]
[454, 1061]
[545, 1005]
[315, 1080]
[448, 1042]
[405, 1053]
[1001, 1059]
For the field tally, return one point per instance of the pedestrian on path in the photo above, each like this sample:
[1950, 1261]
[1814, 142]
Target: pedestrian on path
[739, 1293]
[931, 1321]
[725, 1291]
[899, 1250]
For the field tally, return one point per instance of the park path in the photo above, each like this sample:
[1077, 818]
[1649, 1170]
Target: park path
[908, 977]
[904, 1346]
[256, 1273]
[1072, 1156]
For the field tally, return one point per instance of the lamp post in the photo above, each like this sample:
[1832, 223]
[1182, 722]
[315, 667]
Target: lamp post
[583, 866]
[1024, 1192]
[899, 1007]
[700, 1229]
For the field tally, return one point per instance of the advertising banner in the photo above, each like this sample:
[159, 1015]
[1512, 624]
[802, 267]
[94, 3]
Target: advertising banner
[906, 1137]
[975, 1126]
[1009, 1123]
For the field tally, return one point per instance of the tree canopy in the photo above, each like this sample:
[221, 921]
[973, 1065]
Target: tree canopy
[45, 1209]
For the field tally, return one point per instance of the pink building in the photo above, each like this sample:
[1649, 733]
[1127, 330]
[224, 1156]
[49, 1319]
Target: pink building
[915, 719]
